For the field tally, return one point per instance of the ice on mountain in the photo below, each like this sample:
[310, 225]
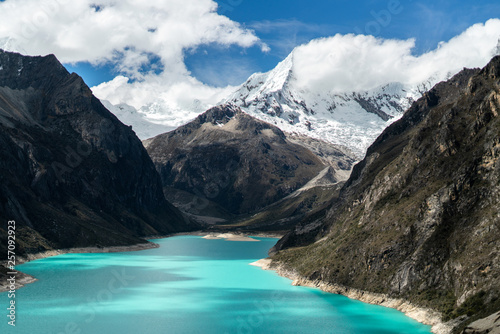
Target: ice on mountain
[350, 119]
[144, 128]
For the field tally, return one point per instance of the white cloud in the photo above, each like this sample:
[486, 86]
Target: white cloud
[128, 34]
[344, 63]
[75, 31]
[161, 100]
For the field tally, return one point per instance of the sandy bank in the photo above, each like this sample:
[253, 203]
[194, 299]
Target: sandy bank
[423, 315]
[230, 237]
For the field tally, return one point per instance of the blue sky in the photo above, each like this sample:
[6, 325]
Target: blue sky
[284, 25]
[187, 55]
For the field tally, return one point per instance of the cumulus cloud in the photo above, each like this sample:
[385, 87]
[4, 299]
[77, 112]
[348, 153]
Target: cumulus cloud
[345, 63]
[129, 34]
[146, 42]
[161, 100]
[85, 30]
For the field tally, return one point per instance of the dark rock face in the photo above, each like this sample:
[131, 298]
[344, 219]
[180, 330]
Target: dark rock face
[71, 174]
[233, 160]
[419, 217]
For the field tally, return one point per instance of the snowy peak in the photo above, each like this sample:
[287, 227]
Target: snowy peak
[274, 81]
[270, 93]
[352, 119]
[282, 97]
[265, 91]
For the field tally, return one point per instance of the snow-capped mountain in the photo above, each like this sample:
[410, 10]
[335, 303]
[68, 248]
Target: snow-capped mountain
[141, 124]
[352, 119]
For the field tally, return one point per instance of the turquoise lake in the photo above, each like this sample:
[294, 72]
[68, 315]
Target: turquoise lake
[188, 285]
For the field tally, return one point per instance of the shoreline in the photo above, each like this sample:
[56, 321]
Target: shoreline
[237, 236]
[23, 279]
[425, 316]
[229, 237]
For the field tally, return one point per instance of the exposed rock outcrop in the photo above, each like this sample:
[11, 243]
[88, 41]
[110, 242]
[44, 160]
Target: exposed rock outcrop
[232, 161]
[488, 325]
[418, 219]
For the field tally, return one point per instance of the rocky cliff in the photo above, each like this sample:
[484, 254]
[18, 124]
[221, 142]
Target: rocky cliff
[232, 163]
[419, 219]
[72, 175]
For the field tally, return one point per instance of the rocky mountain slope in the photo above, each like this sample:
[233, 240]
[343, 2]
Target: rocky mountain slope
[418, 219]
[285, 214]
[227, 163]
[72, 175]
[352, 119]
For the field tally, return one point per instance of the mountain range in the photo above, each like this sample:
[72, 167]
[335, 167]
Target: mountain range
[353, 119]
[416, 219]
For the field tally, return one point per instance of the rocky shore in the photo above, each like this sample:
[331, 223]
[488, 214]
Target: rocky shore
[489, 325]
[22, 279]
[423, 315]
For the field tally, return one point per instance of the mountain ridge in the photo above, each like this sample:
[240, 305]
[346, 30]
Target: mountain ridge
[71, 174]
[256, 163]
[351, 119]
[417, 219]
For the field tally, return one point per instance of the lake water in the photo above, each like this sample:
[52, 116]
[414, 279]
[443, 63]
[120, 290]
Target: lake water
[188, 285]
